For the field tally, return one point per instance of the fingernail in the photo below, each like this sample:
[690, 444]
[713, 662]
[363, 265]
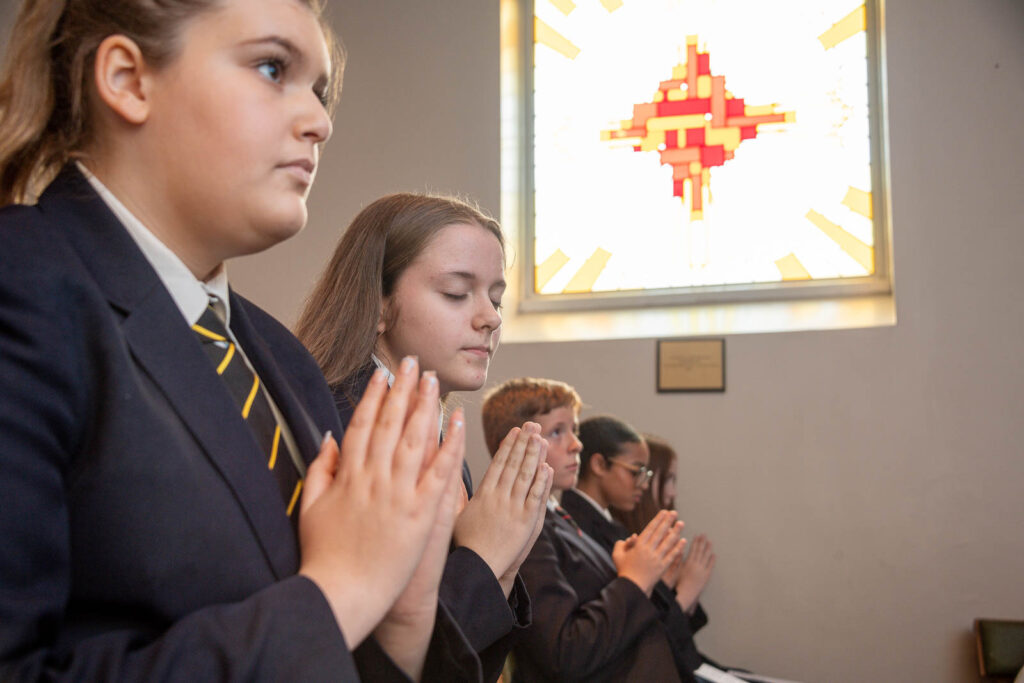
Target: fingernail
[408, 363]
[430, 382]
[379, 375]
[327, 437]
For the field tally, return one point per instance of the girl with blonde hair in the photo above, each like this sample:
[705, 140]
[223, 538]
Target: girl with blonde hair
[172, 509]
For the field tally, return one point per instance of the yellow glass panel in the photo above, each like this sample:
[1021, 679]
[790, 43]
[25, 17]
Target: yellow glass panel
[861, 253]
[859, 201]
[847, 27]
[545, 35]
[791, 268]
[586, 276]
[546, 270]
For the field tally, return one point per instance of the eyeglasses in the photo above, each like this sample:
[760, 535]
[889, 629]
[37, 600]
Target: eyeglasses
[642, 474]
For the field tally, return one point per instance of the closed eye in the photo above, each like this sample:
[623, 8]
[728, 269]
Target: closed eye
[454, 297]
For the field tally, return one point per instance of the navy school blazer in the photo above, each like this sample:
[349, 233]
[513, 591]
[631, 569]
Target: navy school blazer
[679, 626]
[140, 537]
[469, 589]
[589, 624]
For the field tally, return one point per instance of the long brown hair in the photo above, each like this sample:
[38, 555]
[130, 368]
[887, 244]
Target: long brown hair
[44, 93]
[339, 322]
[662, 457]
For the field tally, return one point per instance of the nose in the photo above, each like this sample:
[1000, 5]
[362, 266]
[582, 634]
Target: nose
[646, 485]
[487, 316]
[576, 446]
[314, 124]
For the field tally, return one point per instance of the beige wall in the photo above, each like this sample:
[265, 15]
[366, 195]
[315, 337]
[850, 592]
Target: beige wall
[864, 489]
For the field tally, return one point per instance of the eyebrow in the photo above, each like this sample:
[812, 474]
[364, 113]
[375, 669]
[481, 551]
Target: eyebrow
[463, 275]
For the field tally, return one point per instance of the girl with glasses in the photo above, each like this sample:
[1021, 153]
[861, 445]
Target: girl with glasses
[615, 477]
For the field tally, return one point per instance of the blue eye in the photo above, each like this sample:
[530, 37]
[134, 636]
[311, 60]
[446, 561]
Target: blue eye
[273, 69]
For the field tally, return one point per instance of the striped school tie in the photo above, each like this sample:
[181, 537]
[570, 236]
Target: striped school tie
[561, 512]
[244, 386]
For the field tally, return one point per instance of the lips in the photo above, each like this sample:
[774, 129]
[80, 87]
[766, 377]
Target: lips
[482, 351]
[302, 169]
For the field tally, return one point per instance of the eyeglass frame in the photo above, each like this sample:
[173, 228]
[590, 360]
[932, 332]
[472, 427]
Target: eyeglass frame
[642, 474]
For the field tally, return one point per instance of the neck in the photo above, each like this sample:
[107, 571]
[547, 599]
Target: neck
[593, 490]
[141, 195]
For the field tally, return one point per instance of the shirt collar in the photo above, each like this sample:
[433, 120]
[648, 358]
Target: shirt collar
[605, 512]
[380, 364]
[391, 380]
[189, 293]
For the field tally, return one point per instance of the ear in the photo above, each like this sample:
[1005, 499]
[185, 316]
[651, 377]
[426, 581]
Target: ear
[121, 77]
[382, 325]
[597, 464]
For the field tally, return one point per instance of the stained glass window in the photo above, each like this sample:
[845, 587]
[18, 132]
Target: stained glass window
[689, 146]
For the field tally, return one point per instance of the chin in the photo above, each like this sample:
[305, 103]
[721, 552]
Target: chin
[468, 383]
[283, 220]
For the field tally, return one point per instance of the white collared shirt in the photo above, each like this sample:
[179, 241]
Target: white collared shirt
[190, 294]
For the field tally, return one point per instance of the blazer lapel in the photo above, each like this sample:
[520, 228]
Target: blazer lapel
[304, 430]
[164, 346]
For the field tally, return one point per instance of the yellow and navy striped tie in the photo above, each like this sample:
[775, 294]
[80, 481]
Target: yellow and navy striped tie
[244, 386]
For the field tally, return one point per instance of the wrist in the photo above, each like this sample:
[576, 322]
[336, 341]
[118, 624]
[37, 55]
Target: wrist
[406, 639]
[644, 583]
[686, 597]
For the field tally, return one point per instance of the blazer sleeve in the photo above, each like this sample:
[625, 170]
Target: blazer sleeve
[678, 630]
[571, 638]
[286, 630]
[474, 597]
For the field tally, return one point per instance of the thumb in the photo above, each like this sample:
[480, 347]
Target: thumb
[321, 473]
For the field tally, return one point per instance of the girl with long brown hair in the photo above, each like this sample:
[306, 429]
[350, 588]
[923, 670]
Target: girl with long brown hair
[423, 275]
[171, 506]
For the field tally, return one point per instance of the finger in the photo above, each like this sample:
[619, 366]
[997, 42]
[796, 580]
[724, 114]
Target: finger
[435, 419]
[356, 442]
[655, 529]
[541, 487]
[671, 537]
[516, 457]
[320, 473]
[701, 550]
[536, 451]
[391, 419]
[497, 465]
[434, 478]
[676, 550]
[711, 562]
[418, 436]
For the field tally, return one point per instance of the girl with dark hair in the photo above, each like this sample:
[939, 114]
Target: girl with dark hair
[693, 574]
[616, 476]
